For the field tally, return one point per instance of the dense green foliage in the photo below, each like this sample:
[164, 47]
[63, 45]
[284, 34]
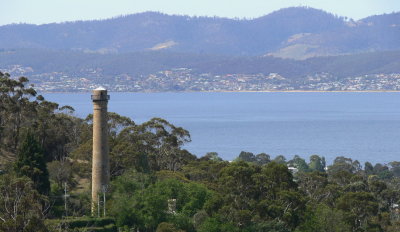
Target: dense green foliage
[158, 186]
[31, 163]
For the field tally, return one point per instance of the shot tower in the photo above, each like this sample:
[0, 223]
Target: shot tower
[100, 160]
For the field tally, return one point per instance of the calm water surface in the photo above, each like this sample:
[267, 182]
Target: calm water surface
[363, 126]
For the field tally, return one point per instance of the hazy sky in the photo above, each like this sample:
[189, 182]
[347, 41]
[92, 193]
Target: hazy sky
[47, 11]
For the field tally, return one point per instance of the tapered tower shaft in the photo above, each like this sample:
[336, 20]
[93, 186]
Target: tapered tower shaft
[100, 160]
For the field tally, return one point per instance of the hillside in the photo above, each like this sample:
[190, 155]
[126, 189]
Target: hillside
[376, 33]
[75, 63]
[296, 32]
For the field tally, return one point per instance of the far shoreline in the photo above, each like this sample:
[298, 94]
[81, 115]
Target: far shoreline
[226, 91]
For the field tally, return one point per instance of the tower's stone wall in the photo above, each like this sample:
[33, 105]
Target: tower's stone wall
[100, 161]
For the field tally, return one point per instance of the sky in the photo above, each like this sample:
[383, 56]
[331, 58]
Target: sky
[49, 11]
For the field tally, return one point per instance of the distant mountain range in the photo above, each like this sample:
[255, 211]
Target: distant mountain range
[297, 33]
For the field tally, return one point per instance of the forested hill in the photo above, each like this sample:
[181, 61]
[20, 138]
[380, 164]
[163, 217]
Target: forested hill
[296, 32]
[75, 63]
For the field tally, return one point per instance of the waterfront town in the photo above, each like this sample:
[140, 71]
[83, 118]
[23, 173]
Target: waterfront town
[185, 79]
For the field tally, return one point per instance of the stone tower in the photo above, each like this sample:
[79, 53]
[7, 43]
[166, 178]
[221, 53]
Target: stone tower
[100, 160]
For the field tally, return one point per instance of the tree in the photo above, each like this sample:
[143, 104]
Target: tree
[262, 159]
[246, 157]
[31, 163]
[259, 159]
[15, 110]
[317, 163]
[139, 202]
[22, 207]
[344, 164]
[313, 184]
[22, 108]
[236, 182]
[56, 129]
[299, 163]
[382, 171]
[204, 171]
[395, 168]
[251, 194]
[213, 156]
[325, 219]
[360, 207]
[160, 142]
[280, 159]
[341, 177]
[368, 169]
[60, 172]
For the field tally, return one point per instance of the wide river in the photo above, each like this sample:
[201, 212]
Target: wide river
[362, 126]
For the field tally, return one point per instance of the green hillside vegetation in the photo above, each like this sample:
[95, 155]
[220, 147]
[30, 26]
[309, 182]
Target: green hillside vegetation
[158, 186]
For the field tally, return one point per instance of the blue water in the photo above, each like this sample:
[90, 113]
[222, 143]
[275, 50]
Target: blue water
[363, 126]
